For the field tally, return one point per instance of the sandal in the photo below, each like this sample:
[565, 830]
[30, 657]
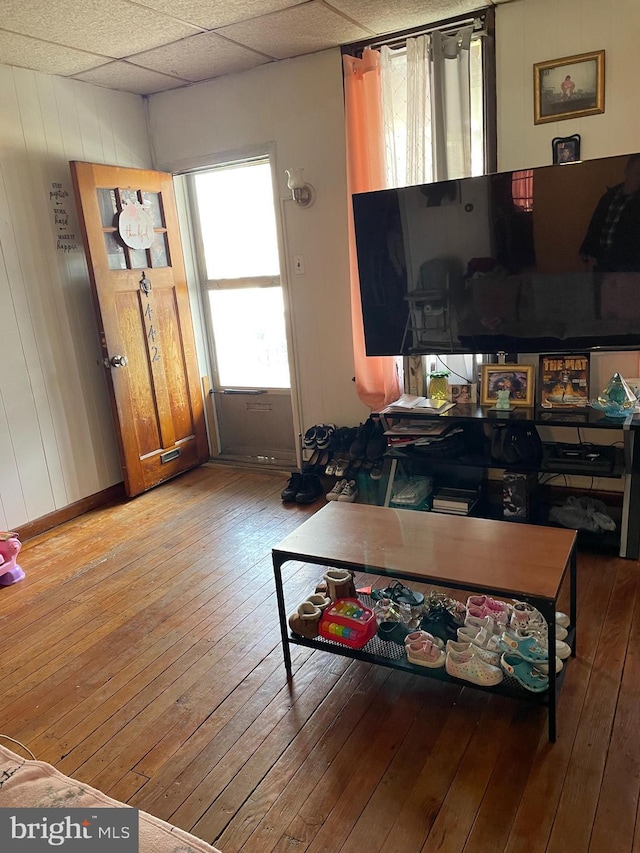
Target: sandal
[402, 594]
[524, 673]
[525, 647]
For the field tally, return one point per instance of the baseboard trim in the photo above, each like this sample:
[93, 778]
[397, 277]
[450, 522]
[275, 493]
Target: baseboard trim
[59, 516]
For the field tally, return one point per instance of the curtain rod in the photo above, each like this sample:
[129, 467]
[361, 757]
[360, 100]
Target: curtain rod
[398, 39]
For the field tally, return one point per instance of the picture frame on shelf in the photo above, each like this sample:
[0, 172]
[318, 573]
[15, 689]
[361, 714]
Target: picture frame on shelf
[570, 87]
[518, 379]
[566, 149]
[464, 393]
[563, 381]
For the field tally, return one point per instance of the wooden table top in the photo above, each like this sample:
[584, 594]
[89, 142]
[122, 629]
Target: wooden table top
[473, 553]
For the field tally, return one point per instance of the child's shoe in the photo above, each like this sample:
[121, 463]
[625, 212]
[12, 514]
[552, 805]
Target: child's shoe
[469, 667]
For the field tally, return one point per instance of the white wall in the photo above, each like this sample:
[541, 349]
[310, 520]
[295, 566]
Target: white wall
[296, 105]
[530, 31]
[57, 442]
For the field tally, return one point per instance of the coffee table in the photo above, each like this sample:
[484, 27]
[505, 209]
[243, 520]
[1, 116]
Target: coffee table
[522, 561]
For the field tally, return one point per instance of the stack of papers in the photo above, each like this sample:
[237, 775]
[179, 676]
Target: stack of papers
[412, 403]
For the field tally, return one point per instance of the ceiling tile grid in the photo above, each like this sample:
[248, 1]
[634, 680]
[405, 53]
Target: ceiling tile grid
[149, 46]
[301, 29]
[200, 58]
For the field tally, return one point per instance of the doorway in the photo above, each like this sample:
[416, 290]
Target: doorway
[237, 250]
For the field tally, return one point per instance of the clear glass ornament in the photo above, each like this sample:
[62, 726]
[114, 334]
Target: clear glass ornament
[616, 399]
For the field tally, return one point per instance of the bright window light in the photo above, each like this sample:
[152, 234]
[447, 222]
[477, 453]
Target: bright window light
[238, 223]
[249, 332]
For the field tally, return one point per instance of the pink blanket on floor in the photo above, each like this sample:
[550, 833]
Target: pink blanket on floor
[25, 784]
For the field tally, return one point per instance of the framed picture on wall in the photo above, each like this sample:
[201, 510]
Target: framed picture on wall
[564, 381]
[517, 379]
[570, 87]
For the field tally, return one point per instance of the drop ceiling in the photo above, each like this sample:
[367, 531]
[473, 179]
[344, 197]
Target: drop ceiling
[151, 46]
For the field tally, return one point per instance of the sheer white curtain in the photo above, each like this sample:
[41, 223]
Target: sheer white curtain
[433, 125]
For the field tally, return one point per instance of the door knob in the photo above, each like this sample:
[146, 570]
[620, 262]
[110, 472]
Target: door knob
[119, 361]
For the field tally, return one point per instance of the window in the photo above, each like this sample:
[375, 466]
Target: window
[239, 246]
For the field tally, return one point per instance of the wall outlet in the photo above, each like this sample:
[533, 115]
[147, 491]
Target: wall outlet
[298, 264]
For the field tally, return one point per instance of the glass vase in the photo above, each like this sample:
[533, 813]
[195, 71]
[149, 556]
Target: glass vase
[438, 385]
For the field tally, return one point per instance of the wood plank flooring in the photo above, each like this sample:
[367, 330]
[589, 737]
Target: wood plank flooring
[142, 655]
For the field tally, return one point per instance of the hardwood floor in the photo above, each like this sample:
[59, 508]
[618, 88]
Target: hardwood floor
[142, 655]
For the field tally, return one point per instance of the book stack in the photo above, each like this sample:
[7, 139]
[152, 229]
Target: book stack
[455, 501]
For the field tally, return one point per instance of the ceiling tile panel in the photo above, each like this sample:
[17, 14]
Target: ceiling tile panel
[25, 52]
[200, 58]
[130, 78]
[391, 17]
[302, 29]
[211, 14]
[115, 29]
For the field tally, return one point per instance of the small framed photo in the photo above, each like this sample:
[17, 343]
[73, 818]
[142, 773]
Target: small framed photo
[564, 381]
[517, 379]
[566, 149]
[570, 87]
[463, 393]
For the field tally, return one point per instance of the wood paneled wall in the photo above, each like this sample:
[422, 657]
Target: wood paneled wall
[57, 442]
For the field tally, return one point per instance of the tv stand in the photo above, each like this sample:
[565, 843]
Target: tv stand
[468, 466]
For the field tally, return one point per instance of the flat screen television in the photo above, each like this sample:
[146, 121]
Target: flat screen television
[525, 261]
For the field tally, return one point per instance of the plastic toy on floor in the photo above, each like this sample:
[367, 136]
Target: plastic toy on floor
[10, 571]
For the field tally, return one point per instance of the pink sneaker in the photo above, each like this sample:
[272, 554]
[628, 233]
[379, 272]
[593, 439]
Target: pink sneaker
[481, 606]
[425, 653]
[423, 637]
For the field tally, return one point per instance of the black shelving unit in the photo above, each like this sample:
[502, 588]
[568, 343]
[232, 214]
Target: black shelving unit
[468, 467]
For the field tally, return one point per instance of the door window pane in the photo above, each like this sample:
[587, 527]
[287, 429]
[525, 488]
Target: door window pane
[250, 342]
[237, 218]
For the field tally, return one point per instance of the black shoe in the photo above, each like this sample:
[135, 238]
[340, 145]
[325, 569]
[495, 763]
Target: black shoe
[310, 489]
[292, 488]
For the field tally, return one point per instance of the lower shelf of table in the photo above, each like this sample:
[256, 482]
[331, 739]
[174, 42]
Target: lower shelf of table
[392, 655]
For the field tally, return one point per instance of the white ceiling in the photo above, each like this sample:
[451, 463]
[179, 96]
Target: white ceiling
[150, 46]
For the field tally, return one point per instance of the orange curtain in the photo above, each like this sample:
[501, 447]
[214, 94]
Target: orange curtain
[376, 377]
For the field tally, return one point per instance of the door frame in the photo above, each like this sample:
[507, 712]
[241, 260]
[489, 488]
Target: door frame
[196, 276]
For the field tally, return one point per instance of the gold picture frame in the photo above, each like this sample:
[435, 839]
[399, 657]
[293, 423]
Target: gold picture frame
[570, 87]
[518, 378]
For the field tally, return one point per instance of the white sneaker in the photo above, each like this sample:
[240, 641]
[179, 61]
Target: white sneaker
[336, 491]
[486, 622]
[482, 639]
[544, 667]
[469, 667]
[492, 658]
[349, 492]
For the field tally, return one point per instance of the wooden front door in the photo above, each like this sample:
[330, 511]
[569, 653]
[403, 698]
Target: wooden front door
[141, 297]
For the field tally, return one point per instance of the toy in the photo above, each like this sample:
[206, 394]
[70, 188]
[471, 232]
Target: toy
[503, 399]
[348, 621]
[10, 571]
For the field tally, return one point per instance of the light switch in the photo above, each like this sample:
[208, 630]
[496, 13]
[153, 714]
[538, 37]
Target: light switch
[298, 264]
